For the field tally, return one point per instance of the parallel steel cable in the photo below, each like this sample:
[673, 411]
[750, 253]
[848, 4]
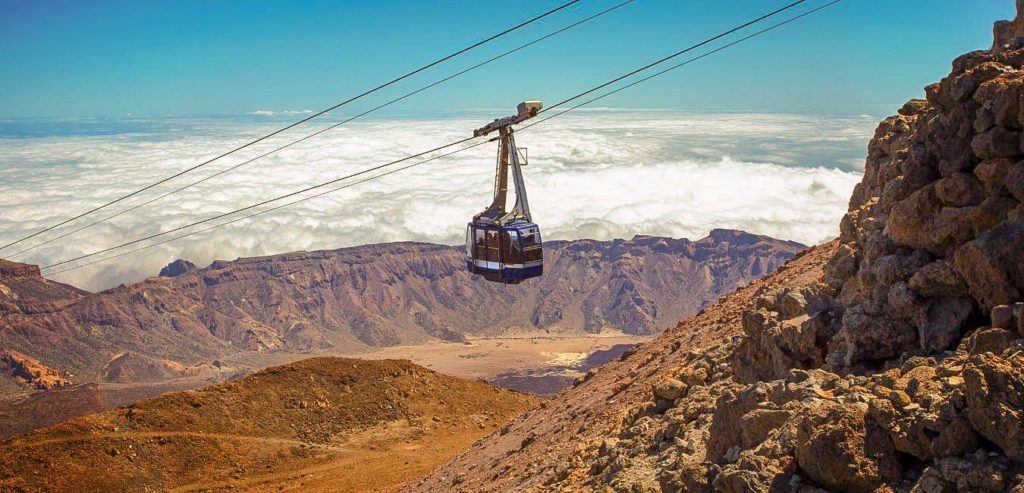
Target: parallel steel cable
[315, 115]
[674, 55]
[331, 127]
[272, 209]
[602, 96]
[685, 63]
[258, 204]
[773, 27]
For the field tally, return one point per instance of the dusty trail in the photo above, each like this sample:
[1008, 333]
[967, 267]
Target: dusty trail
[167, 434]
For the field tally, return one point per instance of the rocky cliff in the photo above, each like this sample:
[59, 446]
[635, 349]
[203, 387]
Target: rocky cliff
[890, 360]
[374, 295]
[22, 285]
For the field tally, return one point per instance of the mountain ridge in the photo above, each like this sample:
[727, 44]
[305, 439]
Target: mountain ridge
[369, 296]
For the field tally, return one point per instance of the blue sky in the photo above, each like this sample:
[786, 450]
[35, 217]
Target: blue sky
[189, 57]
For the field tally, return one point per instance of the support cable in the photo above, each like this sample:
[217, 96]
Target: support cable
[331, 127]
[602, 96]
[308, 118]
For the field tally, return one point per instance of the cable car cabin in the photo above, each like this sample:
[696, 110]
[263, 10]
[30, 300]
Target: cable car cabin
[508, 254]
[504, 246]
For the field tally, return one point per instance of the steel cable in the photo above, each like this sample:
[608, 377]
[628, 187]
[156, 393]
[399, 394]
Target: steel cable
[331, 127]
[315, 115]
[602, 96]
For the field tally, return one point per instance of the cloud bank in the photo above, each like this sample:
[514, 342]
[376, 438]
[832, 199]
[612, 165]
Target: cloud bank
[594, 174]
[280, 113]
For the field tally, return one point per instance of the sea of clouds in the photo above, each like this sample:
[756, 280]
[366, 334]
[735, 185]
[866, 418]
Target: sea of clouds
[592, 174]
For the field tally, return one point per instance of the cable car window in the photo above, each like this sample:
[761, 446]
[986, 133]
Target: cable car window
[469, 241]
[532, 251]
[510, 246]
[492, 246]
[531, 238]
[481, 245]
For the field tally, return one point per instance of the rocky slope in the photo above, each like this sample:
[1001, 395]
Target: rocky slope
[891, 360]
[566, 443]
[322, 424]
[40, 409]
[376, 295]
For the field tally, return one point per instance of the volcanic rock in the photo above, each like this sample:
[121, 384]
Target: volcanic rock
[905, 374]
[30, 371]
[177, 268]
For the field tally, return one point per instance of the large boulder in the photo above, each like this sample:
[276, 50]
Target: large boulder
[837, 449]
[993, 264]
[994, 388]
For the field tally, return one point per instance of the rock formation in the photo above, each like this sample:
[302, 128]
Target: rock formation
[31, 372]
[374, 295]
[653, 415]
[22, 287]
[895, 363]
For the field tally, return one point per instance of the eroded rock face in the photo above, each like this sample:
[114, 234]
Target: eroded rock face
[835, 447]
[788, 330]
[899, 369]
[31, 372]
[22, 288]
[934, 238]
[994, 388]
[177, 268]
[950, 424]
[920, 318]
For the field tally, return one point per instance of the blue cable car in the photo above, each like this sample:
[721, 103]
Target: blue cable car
[505, 246]
[509, 254]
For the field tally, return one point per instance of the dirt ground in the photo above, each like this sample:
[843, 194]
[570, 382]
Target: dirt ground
[321, 424]
[535, 362]
[489, 357]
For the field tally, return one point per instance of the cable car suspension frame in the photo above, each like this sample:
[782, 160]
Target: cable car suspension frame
[501, 245]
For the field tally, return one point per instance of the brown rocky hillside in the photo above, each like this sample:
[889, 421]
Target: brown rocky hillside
[375, 295]
[321, 424]
[557, 446]
[891, 360]
[22, 286]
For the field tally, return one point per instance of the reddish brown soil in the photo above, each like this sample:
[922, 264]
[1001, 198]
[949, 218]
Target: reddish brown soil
[329, 424]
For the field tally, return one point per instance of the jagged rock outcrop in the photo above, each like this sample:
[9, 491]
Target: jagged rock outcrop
[932, 244]
[906, 357]
[22, 288]
[177, 268]
[896, 367]
[374, 295]
[31, 372]
[934, 236]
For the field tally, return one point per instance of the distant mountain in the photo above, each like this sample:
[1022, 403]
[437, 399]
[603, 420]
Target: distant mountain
[375, 295]
[22, 286]
[321, 424]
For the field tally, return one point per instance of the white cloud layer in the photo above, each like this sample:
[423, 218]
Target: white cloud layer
[280, 113]
[593, 174]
